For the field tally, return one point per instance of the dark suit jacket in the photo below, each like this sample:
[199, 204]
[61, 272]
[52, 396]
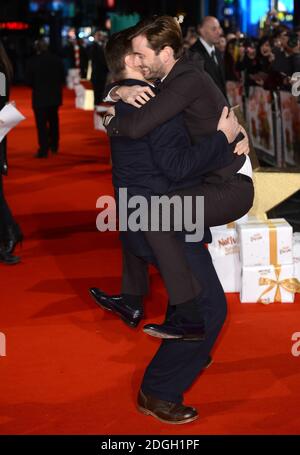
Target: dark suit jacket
[216, 72]
[99, 66]
[3, 145]
[187, 89]
[165, 159]
[69, 55]
[162, 161]
[45, 74]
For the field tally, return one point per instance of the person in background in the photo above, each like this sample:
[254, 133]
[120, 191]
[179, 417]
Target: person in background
[283, 61]
[230, 36]
[10, 232]
[76, 56]
[271, 24]
[296, 55]
[221, 46]
[45, 75]
[209, 36]
[99, 67]
[265, 56]
[247, 62]
[277, 41]
[231, 72]
[190, 38]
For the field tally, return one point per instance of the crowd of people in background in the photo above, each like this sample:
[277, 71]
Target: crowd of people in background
[268, 60]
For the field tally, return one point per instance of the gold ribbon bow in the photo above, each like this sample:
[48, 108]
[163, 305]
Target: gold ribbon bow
[289, 284]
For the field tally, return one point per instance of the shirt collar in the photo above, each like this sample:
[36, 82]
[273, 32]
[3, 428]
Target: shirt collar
[208, 48]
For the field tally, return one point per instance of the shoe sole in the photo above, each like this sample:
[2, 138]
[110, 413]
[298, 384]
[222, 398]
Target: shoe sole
[10, 263]
[209, 364]
[132, 325]
[165, 336]
[155, 334]
[149, 413]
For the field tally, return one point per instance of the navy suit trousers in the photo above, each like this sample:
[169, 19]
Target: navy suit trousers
[177, 363]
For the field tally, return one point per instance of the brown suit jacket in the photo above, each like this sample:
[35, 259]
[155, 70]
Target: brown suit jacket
[188, 88]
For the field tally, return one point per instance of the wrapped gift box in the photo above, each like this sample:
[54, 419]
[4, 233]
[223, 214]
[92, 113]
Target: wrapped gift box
[296, 254]
[84, 98]
[225, 253]
[73, 78]
[268, 284]
[266, 242]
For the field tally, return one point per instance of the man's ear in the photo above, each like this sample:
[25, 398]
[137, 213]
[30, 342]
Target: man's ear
[167, 53]
[130, 60]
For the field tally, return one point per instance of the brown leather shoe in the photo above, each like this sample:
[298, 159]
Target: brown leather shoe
[166, 411]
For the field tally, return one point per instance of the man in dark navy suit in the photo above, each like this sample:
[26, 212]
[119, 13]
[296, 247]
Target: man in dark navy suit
[45, 74]
[160, 162]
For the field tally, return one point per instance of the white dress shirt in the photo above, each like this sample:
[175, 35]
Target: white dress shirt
[209, 49]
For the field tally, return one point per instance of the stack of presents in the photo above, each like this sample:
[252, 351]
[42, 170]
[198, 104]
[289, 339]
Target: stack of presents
[258, 259]
[84, 96]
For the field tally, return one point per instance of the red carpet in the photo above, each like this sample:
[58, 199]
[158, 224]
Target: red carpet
[70, 367]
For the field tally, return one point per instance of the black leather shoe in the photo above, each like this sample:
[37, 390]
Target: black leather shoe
[183, 330]
[166, 411]
[13, 237]
[9, 259]
[118, 305]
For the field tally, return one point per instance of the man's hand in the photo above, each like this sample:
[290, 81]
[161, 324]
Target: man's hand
[242, 147]
[111, 111]
[109, 114]
[137, 95]
[229, 125]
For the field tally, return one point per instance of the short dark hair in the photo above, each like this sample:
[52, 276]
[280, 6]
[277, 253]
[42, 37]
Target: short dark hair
[206, 19]
[117, 47]
[161, 31]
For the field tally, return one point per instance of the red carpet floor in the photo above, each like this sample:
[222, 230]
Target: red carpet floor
[70, 368]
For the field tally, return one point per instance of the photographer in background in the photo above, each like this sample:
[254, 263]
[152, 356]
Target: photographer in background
[286, 56]
[294, 49]
[271, 24]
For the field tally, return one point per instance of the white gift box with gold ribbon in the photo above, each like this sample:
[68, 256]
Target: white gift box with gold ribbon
[225, 253]
[296, 253]
[269, 284]
[73, 78]
[84, 98]
[266, 242]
